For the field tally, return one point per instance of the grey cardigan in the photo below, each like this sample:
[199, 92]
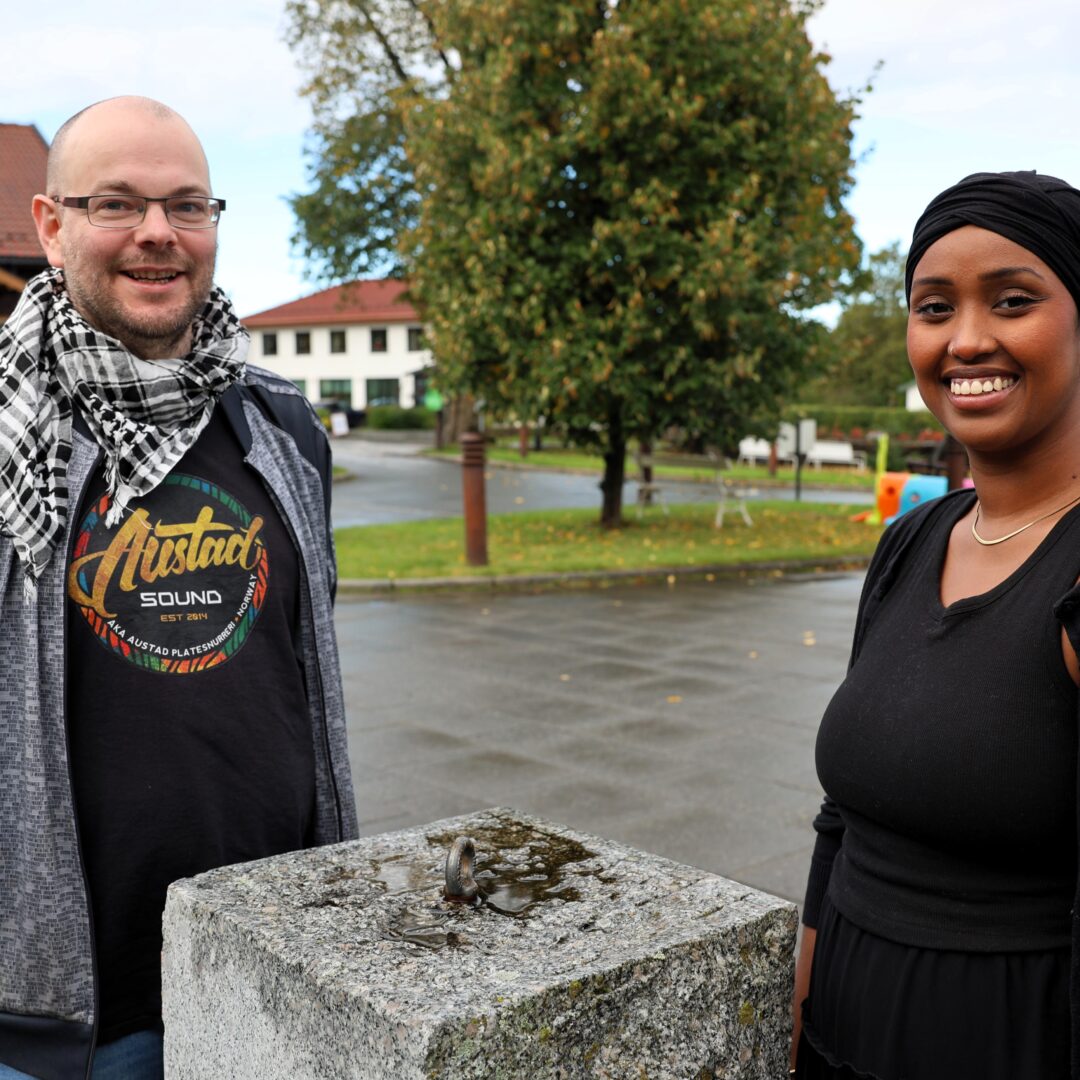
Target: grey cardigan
[47, 978]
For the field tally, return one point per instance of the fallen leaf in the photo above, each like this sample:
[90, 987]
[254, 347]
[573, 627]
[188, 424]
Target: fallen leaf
[519, 499]
[753, 654]
[674, 699]
[564, 677]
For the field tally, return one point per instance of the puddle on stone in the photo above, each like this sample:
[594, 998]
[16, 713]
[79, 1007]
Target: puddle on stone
[399, 875]
[425, 927]
[518, 867]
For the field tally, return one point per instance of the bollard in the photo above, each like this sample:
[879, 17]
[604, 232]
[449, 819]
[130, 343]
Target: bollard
[578, 959]
[472, 483]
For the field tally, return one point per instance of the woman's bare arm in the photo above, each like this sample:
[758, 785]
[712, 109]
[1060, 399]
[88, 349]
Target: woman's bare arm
[803, 966]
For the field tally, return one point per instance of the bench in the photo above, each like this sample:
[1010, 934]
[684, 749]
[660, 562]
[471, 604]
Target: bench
[835, 452]
[823, 452]
[756, 452]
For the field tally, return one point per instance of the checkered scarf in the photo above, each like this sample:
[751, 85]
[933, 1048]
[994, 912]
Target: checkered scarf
[145, 415]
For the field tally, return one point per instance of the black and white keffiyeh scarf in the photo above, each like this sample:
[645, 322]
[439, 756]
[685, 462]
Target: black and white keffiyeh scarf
[144, 414]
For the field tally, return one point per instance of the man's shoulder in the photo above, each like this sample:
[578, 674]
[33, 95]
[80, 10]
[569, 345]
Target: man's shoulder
[254, 376]
[280, 400]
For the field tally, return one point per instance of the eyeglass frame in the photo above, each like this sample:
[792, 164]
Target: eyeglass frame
[82, 202]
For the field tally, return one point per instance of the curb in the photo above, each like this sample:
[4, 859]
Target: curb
[596, 578]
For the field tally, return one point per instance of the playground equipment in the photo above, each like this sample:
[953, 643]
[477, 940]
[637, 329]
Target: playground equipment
[899, 492]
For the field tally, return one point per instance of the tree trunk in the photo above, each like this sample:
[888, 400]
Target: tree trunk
[614, 472]
[459, 418]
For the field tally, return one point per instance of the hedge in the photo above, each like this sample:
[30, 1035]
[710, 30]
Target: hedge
[856, 421]
[397, 418]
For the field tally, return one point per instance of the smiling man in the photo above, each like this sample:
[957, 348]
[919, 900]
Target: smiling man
[171, 698]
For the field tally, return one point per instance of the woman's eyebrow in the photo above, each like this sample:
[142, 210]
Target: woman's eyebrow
[989, 275]
[1009, 271]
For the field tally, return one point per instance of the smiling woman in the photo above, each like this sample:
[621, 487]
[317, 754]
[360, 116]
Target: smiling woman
[939, 940]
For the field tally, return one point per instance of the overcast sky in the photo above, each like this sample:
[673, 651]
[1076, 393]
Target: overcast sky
[966, 85]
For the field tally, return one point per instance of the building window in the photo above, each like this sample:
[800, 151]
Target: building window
[416, 338]
[383, 392]
[337, 340]
[303, 342]
[269, 344]
[301, 385]
[336, 390]
[378, 341]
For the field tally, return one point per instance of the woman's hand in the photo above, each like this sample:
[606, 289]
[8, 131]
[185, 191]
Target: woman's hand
[803, 966]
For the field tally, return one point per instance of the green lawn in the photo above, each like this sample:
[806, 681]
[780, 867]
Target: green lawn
[838, 477]
[559, 541]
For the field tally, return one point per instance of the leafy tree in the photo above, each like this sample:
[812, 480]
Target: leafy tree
[622, 207]
[367, 61]
[868, 345]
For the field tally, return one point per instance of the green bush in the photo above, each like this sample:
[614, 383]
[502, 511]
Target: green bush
[855, 422]
[396, 418]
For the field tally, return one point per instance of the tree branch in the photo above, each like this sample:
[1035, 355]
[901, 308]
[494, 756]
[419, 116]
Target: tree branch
[384, 42]
[422, 12]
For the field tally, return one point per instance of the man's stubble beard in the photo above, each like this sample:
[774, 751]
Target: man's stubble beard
[149, 335]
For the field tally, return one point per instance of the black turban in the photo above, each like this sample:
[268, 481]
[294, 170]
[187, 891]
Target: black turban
[1040, 213]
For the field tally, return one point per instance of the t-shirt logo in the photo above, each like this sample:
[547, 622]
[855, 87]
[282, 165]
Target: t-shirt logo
[178, 584]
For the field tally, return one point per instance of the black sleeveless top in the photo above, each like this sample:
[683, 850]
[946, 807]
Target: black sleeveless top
[950, 751]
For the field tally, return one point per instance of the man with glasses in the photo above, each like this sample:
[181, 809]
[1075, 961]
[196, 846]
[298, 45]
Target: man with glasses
[171, 698]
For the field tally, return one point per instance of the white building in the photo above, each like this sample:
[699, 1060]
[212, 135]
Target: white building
[361, 344]
[913, 401]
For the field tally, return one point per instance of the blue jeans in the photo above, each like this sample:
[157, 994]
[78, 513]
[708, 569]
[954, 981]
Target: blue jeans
[134, 1057]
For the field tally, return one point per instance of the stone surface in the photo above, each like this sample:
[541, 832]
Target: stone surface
[588, 959]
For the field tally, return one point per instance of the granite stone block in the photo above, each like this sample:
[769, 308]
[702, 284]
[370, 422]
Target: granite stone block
[586, 959]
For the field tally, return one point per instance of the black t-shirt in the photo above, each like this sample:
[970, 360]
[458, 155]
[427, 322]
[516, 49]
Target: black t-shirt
[190, 738]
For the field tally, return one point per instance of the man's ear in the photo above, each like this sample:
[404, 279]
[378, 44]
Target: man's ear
[47, 219]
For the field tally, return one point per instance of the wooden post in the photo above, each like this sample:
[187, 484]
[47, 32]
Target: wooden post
[472, 484]
[523, 440]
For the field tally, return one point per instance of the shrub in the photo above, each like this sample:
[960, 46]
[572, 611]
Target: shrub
[856, 421]
[396, 418]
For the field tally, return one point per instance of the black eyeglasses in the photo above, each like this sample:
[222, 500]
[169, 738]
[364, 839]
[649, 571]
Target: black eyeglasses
[127, 211]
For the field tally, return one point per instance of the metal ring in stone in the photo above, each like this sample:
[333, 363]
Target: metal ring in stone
[461, 887]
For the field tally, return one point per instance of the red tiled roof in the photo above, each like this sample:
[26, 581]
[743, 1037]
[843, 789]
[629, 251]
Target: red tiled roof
[356, 302]
[23, 153]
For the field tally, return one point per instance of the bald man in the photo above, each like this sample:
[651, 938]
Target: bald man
[171, 698]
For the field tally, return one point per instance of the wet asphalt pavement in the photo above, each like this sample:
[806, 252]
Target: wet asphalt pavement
[680, 719]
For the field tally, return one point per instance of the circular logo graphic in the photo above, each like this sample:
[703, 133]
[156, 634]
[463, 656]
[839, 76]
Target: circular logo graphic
[177, 585]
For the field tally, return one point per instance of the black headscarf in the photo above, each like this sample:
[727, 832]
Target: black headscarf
[1038, 212]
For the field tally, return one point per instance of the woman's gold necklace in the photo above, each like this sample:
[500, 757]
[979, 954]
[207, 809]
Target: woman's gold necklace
[1015, 532]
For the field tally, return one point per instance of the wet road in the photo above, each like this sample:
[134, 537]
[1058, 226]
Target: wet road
[390, 483]
[677, 719]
